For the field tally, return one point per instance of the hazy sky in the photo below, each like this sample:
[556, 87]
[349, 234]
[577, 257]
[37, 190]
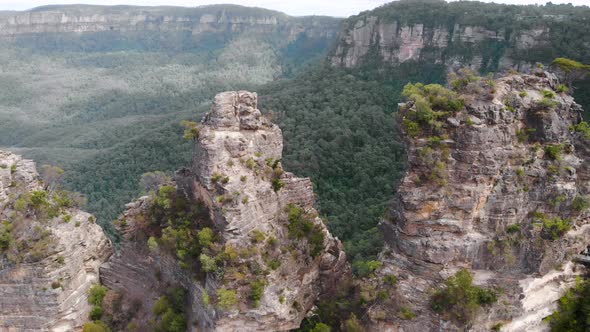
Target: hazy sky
[292, 7]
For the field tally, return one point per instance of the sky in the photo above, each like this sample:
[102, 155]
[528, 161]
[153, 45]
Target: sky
[341, 8]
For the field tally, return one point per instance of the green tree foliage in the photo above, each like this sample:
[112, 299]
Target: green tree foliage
[583, 129]
[366, 268]
[340, 130]
[256, 291]
[458, 299]
[321, 327]
[6, 238]
[96, 326]
[553, 152]
[96, 294]
[226, 298]
[169, 311]
[553, 228]
[184, 228]
[301, 226]
[571, 69]
[574, 309]
[191, 130]
[433, 103]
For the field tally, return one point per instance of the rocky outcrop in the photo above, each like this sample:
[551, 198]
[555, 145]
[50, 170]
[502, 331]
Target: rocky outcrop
[47, 262]
[485, 195]
[375, 37]
[257, 211]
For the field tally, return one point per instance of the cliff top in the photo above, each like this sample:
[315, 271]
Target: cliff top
[229, 10]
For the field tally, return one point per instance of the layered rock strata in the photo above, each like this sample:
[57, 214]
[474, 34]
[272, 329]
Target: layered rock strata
[47, 264]
[237, 176]
[394, 42]
[509, 166]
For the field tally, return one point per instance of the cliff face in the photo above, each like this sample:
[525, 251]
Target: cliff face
[48, 260]
[191, 25]
[272, 251]
[396, 42]
[488, 197]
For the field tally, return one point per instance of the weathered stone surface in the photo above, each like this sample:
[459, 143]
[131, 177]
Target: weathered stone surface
[237, 158]
[28, 302]
[496, 177]
[197, 22]
[399, 43]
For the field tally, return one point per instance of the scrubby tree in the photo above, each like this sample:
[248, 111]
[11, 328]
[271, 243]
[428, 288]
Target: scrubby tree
[571, 70]
[52, 176]
[151, 181]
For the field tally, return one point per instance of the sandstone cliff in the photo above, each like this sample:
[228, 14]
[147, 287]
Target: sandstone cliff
[271, 256]
[499, 189]
[50, 253]
[397, 43]
[486, 37]
[192, 26]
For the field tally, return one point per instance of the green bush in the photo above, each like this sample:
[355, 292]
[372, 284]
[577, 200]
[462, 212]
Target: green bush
[300, 226]
[256, 291]
[432, 102]
[390, 279]
[548, 94]
[583, 128]
[226, 299]
[257, 236]
[216, 177]
[208, 263]
[554, 228]
[580, 203]
[39, 199]
[169, 309]
[172, 321]
[554, 151]
[365, 268]
[547, 103]
[574, 309]
[277, 184]
[161, 306]
[514, 228]
[96, 326]
[205, 237]
[6, 238]
[320, 327]
[406, 314]
[96, 294]
[459, 299]
[562, 88]
[274, 264]
[96, 312]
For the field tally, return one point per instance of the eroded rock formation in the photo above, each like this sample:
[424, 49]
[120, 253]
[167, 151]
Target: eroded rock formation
[48, 259]
[486, 195]
[395, 42]
[274, 255]
[136, 22]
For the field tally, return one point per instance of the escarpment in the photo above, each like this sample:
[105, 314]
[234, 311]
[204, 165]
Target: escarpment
[235, 231]
[184, 28]
[486, 37]
[497, 184]
[50, 252]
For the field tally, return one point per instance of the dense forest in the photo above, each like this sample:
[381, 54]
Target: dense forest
[109, 112]
[340, 130]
